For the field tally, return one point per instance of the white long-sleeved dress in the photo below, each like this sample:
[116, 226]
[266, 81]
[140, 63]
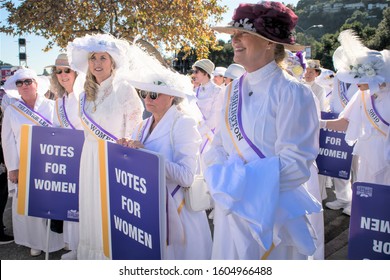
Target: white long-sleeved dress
[189, 232]
[71, 100]
[28, 231]
[118, 113]
[261, 206]
[209, 99]
[370, 142]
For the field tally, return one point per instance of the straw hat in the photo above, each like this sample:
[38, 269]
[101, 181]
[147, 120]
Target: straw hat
[206, 64]
[234, 71]
[61, 61]
[269, 20]
[314, 64]
[80, 48]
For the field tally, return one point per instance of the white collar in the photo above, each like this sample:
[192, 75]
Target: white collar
[262, 73]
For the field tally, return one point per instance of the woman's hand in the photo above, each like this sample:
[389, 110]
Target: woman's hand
[125, 142]
[135, 144]
[13, 176]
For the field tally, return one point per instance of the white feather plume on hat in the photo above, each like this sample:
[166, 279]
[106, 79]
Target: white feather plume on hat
[357, 64]
[147, 73]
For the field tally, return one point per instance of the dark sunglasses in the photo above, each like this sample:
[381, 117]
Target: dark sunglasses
[152, 95]
[59, 71]
[27, 82]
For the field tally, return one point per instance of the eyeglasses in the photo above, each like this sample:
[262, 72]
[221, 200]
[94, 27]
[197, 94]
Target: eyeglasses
[152, 95]
[27, 82]
[59, 71]
[196, 71]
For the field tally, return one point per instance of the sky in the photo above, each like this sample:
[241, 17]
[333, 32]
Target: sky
[37, 59]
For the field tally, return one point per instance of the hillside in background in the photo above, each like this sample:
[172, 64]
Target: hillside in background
[333, 14]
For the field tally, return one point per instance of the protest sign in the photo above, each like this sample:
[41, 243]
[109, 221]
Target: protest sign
[49, 172]
[133, 202]
[335, 155]
[369, 230]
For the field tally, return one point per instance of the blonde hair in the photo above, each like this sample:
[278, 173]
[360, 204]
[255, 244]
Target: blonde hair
[280, 54]
[55, 85]
[91, 86]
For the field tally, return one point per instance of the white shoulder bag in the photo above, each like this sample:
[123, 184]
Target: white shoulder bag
[197, 196]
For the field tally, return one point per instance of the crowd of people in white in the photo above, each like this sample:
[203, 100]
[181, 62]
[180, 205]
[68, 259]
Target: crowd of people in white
[252, 129]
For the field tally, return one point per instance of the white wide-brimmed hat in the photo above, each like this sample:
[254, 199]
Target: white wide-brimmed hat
[147, 73]
[357, 64]
[234, 71]
[22, 74]
[79, 50]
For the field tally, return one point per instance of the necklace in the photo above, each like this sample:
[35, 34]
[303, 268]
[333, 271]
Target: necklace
[107, 92]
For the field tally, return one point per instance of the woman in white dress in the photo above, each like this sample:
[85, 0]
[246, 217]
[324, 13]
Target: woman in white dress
[66, 115]
[366, 118]
[172, 132]
[209, 98]
[267, 142]
[109, 109]
[29, 90]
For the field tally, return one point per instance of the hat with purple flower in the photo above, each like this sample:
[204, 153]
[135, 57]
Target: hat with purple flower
[269, 20]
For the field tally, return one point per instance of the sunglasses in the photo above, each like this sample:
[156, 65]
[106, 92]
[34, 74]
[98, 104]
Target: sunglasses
[152, 95]
[59, 71]
[27, 82]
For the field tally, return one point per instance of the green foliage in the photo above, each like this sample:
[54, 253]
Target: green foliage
[372, 26]
[171, 23]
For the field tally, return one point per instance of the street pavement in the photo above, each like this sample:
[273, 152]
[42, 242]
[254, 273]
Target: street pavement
[336, 237]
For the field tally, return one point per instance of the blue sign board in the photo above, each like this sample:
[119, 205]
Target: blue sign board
[335, 155]
[49, 172]
[369, 230]
[133, 202]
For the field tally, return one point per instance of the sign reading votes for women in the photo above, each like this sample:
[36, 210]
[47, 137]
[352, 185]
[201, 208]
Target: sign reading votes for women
[133, 202]
[335, 155]
[49, 172]
[369, 229]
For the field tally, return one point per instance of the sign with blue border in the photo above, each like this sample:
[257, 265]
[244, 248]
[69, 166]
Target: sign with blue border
[133, 202]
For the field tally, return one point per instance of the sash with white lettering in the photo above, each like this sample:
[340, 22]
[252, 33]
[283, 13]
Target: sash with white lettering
[342, 90]
[233, 119]
[30, 114]
[95, 129]
[61, 113]
[377, 121]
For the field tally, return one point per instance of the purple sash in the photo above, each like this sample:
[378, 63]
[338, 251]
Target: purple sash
[95, 129]
[61, 114]
[30, 114]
